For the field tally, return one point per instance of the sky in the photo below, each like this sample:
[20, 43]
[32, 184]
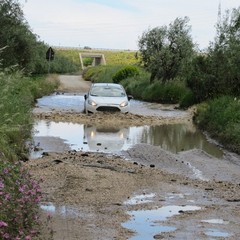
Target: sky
[118, 24]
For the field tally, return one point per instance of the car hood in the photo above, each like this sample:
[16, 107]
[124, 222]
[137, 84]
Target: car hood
[109, 100]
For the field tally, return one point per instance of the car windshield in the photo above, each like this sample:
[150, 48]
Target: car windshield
[107, 91]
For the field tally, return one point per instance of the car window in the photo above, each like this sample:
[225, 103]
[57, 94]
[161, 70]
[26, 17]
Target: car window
[107, 91]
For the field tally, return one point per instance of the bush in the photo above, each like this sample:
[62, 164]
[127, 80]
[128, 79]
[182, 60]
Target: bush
[126, 72]
[19, 193]
[19, 198]
[136, 85]
[187, 100]
[220, 117]
[100, 73]
[171, 92]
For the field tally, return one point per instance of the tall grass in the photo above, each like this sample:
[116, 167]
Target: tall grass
[17, 96]
[221, 118]
[19, 193]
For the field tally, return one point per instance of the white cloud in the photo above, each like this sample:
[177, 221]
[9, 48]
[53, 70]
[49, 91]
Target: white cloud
[95, 24]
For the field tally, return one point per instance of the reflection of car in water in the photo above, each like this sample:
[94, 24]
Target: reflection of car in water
[105, 138]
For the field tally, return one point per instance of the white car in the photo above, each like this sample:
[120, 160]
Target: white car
[110, 97]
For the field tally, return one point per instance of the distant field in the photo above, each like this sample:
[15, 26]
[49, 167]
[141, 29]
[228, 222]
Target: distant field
[112, 57]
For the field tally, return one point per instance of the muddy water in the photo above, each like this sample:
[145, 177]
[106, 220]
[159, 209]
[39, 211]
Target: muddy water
[70, 102]
[57, 137]
[50, 136]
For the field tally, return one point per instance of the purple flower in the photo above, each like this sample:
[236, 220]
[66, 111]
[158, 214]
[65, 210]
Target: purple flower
[3, 224]
[7, 197]
[28, 238]
[6, 236]
[5, 171]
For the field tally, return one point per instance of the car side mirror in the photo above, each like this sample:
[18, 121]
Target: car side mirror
[85, 96]
[130, 97]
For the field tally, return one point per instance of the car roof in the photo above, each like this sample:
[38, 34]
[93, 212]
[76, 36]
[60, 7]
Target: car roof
[106, 84]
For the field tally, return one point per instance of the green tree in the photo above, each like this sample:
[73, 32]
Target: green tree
[19, 45]
[165, 51]
[224, 54]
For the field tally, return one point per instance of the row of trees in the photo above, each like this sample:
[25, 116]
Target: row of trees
[21, 47]
[169, 54]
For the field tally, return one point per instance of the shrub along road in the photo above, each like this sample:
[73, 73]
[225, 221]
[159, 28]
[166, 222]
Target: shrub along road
[90, 190]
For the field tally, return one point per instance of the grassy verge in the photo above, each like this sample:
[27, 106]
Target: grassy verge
[17, 96]
[19, 193]
[221, 118]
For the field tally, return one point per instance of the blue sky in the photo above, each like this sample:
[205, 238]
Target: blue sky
[118, 24]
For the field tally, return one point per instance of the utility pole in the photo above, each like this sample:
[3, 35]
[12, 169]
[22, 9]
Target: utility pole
[219, 12]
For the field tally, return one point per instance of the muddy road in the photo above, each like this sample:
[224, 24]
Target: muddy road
[145, 192]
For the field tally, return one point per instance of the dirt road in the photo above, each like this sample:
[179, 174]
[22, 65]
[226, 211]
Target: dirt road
[71, 83]
[91, 195]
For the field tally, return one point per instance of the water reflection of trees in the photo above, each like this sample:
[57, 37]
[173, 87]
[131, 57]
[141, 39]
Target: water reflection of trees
[177, 137]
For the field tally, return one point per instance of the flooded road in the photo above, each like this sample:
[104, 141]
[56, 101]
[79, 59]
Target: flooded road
[113, 139]
[75, 102]
[161, 178]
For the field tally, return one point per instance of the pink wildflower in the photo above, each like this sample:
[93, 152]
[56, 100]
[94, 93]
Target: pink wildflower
[6, 236]
[6, 171]
[3, 224]
[28, 238]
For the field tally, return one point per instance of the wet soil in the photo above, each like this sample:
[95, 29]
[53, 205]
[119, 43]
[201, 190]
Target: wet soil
[93, 188]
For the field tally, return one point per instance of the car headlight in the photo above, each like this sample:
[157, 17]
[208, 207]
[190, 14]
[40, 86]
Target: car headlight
[124, 104]
[92, 103]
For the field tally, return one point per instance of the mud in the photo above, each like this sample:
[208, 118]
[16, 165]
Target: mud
[89, 191]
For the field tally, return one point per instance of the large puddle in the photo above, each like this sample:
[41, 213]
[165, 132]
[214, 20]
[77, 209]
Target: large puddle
[147, 223]
[171, 137]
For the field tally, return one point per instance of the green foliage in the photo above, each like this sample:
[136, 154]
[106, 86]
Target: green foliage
[61, 64]
[170, 92]
[166, 51]
[17, 95]
[87, 61]
[217, 72]
[125, 72]
[187, 100]
[19, 198]
[20, 194]
[101, 73]
[136, 85]
[20, 47]
[224, 54]
[221, 118]
[17, 41]
[201, 80]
